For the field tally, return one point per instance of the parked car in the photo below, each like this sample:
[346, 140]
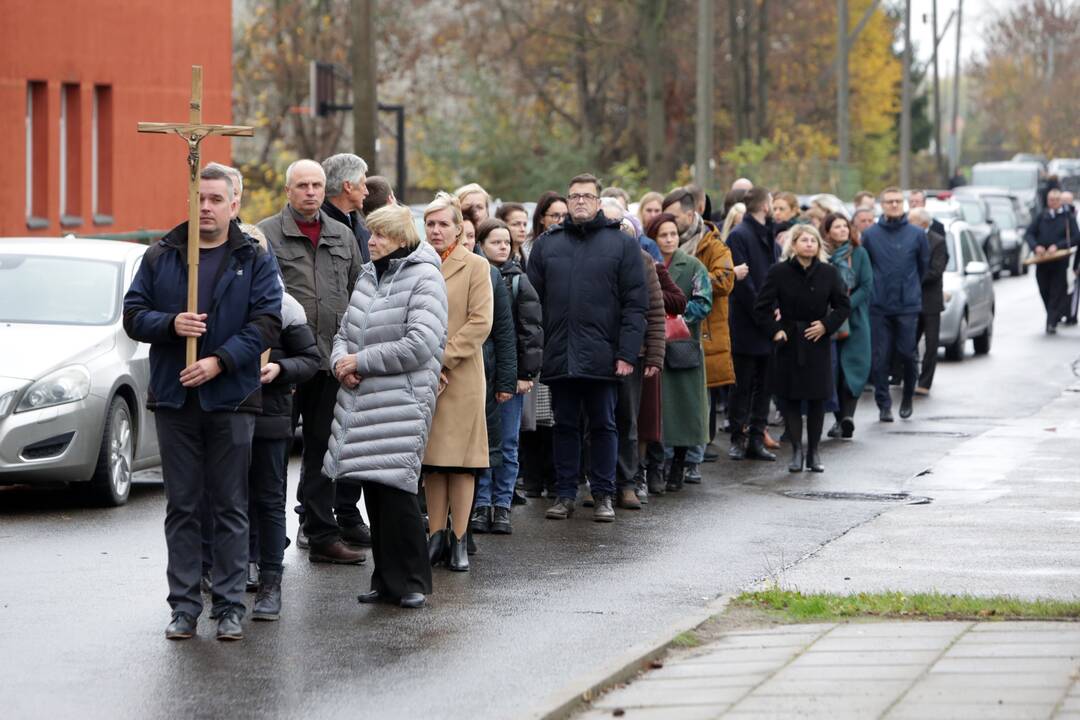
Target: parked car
[969, 294]
[1022, 178]
[1005, 212]
[72, 384]
[973, 210]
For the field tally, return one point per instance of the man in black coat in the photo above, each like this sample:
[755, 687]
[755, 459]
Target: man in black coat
[1052, 230]
[933, 298]
[917, 199]
[589, 277]
[346, 188]
[751, 242]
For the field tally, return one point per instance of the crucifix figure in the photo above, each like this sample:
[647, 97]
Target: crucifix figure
[193, 132]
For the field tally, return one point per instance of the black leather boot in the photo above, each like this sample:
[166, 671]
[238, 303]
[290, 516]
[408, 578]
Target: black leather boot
[654, 477]
[755, 450]
[459, 555]
[438, 549]
[676, 475]
[268, 602]
[813, 460]
[796, 459]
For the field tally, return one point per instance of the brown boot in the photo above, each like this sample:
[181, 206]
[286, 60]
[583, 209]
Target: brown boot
[336, 552]
[628, 499]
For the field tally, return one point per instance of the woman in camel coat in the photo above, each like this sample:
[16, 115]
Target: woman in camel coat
[458, 446]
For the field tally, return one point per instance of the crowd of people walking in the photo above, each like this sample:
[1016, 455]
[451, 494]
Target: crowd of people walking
[589, 354]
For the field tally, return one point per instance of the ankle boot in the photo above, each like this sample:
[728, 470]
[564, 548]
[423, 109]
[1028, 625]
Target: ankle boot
[813, 460]
[654, 477]
[268, 601]
[796, 458]
[437, 548]
[459, 555]
[676, 475]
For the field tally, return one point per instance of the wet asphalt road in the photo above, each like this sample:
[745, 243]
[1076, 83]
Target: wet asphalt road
[82, 591]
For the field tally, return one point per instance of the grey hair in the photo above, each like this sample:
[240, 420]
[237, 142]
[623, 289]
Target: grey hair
[919, 216]
[294, 163]
[237, 178]
[217, 173]
[342, 168]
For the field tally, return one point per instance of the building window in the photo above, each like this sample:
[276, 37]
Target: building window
[101, 156]
[70, 156]
[37, 155]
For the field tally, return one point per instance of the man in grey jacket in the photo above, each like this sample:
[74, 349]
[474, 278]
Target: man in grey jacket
[319, 262]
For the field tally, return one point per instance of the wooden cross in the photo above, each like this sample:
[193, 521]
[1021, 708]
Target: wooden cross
[193, 132]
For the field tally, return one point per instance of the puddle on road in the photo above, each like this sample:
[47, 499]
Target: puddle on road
[900, 497]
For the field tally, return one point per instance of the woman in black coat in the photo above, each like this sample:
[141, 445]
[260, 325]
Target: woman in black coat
[803, 302]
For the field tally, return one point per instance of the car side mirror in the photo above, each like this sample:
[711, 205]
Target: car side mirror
[976, 267]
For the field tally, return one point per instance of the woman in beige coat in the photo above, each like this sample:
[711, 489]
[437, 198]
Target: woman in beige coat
[458, 446]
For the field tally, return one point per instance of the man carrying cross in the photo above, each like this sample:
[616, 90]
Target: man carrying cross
[204, 411]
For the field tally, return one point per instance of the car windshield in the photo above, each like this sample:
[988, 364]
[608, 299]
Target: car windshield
[951, 245]
[972, 210]
[1018, 179]
[58, 290]
[1001, 213]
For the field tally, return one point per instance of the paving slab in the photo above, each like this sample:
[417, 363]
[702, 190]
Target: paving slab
[685, 712]
[947, 693]
[962, 649]
[1060, 666]
[909, 629]
[663, 693]
[820, 706]
[831, 643]
[818, 658]
[995, 711]
[740, 655]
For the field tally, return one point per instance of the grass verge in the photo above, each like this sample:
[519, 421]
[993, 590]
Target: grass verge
[793, 605]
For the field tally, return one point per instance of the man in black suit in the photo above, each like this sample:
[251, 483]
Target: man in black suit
[933, 298]
[1052, 230]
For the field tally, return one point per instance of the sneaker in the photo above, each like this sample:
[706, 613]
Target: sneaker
[500, 521]
[480, 522]
[181, 627]
[641, 489]
[357, 535]
[693, 474]
[835, 431]
[628, 499]
[603, 511]
[561, 510]
[228, 626]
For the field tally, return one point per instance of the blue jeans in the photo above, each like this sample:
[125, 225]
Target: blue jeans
[495, 486]
[597, 398]
[889, 334]
[695, 454]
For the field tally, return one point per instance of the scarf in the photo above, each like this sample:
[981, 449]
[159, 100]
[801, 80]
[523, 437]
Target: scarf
[446, 253]
[688, 240]
[841, 259]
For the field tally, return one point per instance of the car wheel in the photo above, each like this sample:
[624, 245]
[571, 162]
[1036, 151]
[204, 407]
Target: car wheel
[955, 350]
[111, 482]
[982, 343]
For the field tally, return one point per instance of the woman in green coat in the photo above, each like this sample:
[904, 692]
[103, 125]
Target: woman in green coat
[852, 354]
[685, 404]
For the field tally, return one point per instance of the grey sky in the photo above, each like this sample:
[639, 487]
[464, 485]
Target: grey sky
[976, 14]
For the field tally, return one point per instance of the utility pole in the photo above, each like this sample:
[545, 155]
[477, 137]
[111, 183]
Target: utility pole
[842, 140]
[905, 103]
[704, 129]
[939, 163]
[365, 100]
[954, 148]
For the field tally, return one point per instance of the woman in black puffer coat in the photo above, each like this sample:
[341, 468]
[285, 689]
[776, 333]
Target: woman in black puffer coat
[496, 487]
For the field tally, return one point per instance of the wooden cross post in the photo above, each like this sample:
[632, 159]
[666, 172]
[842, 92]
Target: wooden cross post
[192, 132]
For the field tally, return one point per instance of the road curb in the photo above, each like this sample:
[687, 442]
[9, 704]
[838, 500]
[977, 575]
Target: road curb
[561, 704]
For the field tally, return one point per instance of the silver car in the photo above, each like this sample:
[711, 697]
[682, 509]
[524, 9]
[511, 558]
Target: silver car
[72, 384]
[969, 294]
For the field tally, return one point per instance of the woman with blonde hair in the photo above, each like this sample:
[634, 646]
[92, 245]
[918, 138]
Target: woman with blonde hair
[473, 202]
[734, 217]
[388, 355]
[458, 447]
[649, 206]
[802, 303]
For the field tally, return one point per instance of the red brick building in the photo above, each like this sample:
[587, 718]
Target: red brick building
[75, 80]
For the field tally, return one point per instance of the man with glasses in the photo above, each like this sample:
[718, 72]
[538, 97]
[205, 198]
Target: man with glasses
[899, 254]
[591, 283]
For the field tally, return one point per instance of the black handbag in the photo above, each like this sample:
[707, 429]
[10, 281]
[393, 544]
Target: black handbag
[682, 355]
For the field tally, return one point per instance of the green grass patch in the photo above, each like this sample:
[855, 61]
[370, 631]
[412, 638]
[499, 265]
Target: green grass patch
[688, 639]
[796, 606]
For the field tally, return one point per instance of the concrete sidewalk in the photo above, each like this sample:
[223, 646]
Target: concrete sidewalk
[895, 670]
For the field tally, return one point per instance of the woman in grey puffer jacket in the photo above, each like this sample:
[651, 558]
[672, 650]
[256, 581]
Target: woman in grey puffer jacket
[387, 356]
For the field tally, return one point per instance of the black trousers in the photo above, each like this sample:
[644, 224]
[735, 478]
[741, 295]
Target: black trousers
[627, 407]
[793, 423]
[846, 400]
[398, 544]
[1053, 280]
[211, 452]
[930, 327]
[267, 484]
[597, 399]
[537, 459]
[748, 403]
[316, 492]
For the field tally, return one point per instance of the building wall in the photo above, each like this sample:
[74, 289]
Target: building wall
[142, 52]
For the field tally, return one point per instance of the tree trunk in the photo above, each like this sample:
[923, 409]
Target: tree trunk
[762, 116]
[652, 14]
[736, 43]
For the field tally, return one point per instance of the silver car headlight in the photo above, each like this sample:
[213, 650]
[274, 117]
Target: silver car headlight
[66, 385]
[5, 402]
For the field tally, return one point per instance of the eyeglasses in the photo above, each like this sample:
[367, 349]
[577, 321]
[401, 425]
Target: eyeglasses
[583, 197]
[555, 216]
